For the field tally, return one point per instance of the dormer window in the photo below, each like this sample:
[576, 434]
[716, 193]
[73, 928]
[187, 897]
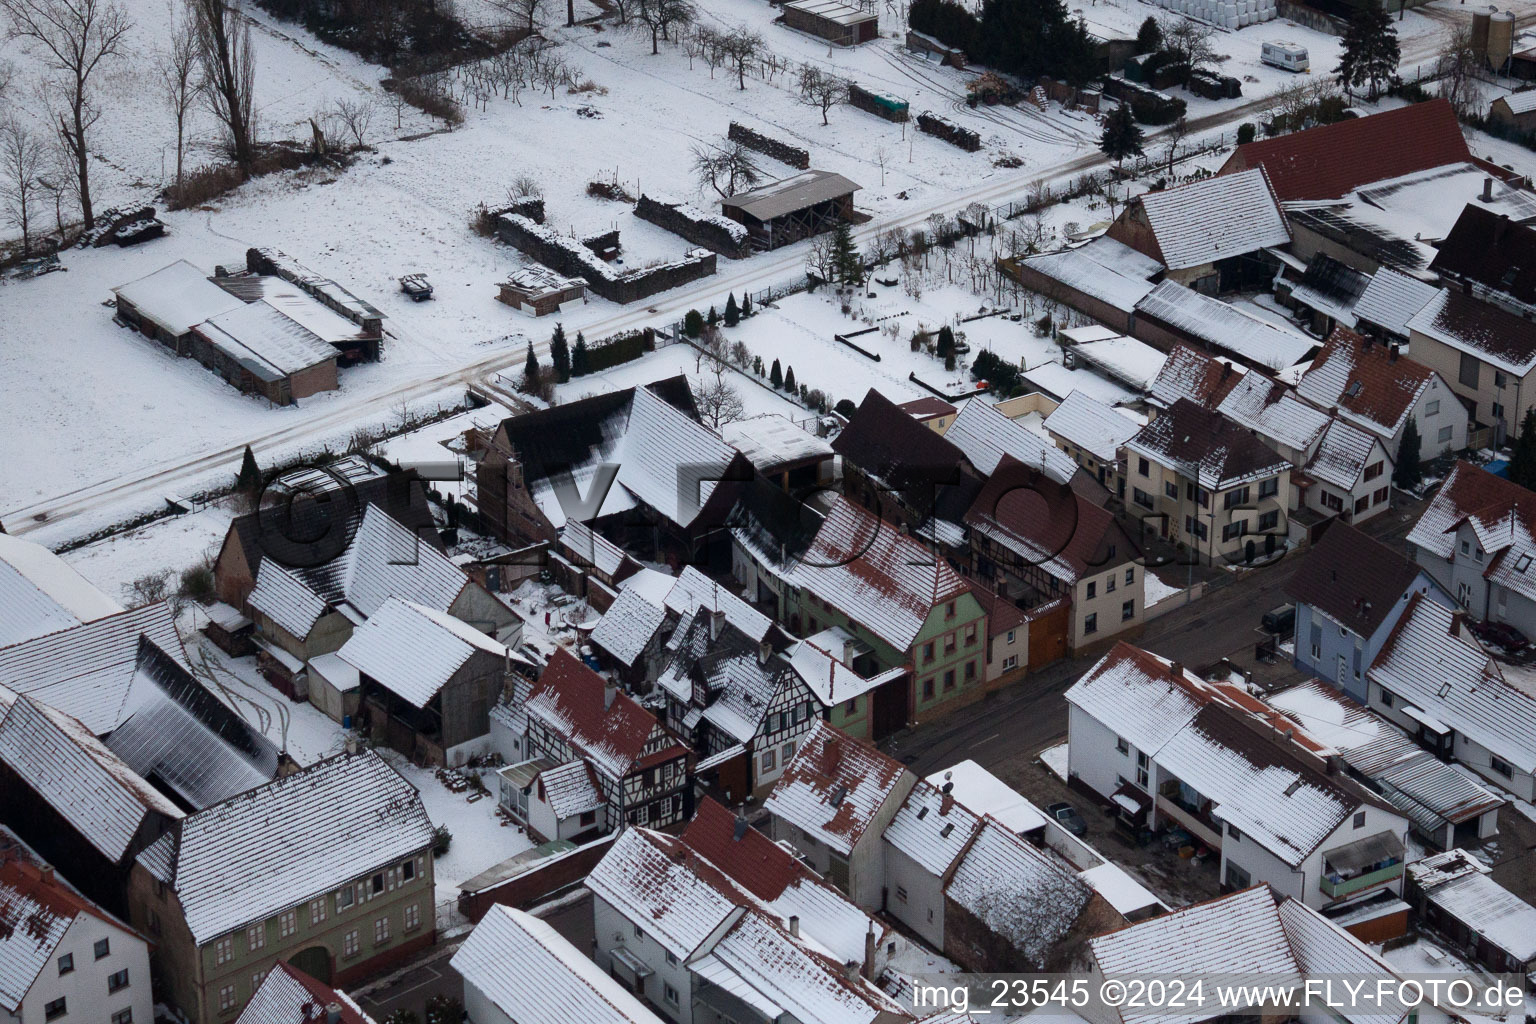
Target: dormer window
[1523, 563]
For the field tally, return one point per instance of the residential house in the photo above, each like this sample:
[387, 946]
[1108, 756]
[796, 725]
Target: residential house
[984, 435]
[288, 994]
[1476, 539]
[1389, 301]
[695, 945]
[1209, 234]
[65, 958]
[303, 612]
[554, 981]
[740, 703]
[1486, 353]
[642, 770]
[1093, 434]
[832, 803]
[890, 591]
[632, 633]
[842, 672]
[933, 413]
[1171, 314]
[1192, 374]
[1445, 805]
[1434, 680]
[1491, 257]
[1166, 746]
[308, 517]
[1369, 384]
[426, 681]
[781, 451]
[590, 566]
[1454, 894]
[1104, 279]
[328, 869]
[1009, 647]
[1038, 541]
[1199, 479]
[43, 594]
[1350, 590]
[1254, 932]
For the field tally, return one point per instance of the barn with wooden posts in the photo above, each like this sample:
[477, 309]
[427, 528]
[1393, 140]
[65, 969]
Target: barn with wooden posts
[844, 22]
[787, 210]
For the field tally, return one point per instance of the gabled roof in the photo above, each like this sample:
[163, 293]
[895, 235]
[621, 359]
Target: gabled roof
[819, 662]
[884, 580]
[664, 886]
[1272, 410]
[696, 592]
[1391, 299]
[592, 547]
[1352, 578]
[1048, 524]
[1430, 662]
[1331, 288]
[1140, 693]
[1092, 426]
[74, 773]
[412, 650]
[787, 195]
[1330, 161]
[834, 787]
[1104, 269]
[985, 435]
[571, 700]
[1481, 329]
[177, 297]
[1487, 249]
[1190, 373]
[1501, 514]
[1214, 218]
[88, 671]
[898, 451]
[286, 994]
[551, 979]
[1206, 447]
[1365, 381]
[773, 443]
[298, 837]
[1221, 325]
[1343, 453]
[932, 828]
[736, 682]
[572, 788]
[40, 593]
[35, 913]
[629, 624]
[265, 341]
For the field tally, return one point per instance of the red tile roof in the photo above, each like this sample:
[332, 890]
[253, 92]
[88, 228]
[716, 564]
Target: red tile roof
[1333, 160]
[1365, 379]
[753, 861]
[572, 699]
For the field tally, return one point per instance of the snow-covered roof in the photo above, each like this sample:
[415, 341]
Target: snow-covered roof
[628, 625]
[1215, 218]
[265, 341]
[1428, 664]
[665, 894]
[35, 913]
[1133, 362]
[986, 435]
[772, 441]
[1092, 426]
[591, 547]
[40, 593]
[1391, 299]
[177, 297]
[1225, 326]
[552, 980]
[89, 786]
[1343, 454]
[89, 671]
[835, 11]
[1120, 890]
[286, 993]
[572, 701]
[412, 650]
[1480, 329]
[1104, 269]
[571, 789]
[1206, 447]
[1192, 374]
[1366, 381]
[932, 828]
[1522, 102]
[1455, 882]
[694, 592]
[797, 191]
[1500, 513]
[819, 660]
[834, 787]
[1019, 893]
[1272, 411]
[986, 794]
[289, 841]
[1132, 691]
[884, 580]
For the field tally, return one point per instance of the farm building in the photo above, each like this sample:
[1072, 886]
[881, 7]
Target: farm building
[1518, 110]
[792, 208]
[539, 292]
[936, 50]
[846, 24]
[167, 304]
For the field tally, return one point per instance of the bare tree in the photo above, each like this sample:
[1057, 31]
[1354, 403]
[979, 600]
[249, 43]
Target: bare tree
[821, 262]
[21, 185]
[525, 11]
[1173, 136]
[354, 117]
[823, 89]
[1458, 65]
[882, 155]
[177, 65]
[229, 72]
[1191, 42]
[719, 402]
[740, 47]
[659, 16]
[727, 169]
[73, 38]
[624, 8]
[397, 102]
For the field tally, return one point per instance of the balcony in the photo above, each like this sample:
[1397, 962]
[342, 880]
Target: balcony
[1360, 883]
[1361, 865]
[1201, 827]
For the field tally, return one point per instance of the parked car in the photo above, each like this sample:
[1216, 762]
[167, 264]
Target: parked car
[1065, 815]
[1280, 621]
[1499, 634]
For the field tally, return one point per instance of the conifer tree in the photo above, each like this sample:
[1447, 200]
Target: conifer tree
[846, 261]
[693, 323]
[1522, 466]
[560, 354]
[746, 305]
[789, 380]
[776, 375]
[581, 365]
[732, 312]
[1369, 53]
[1407, 474]
[1121, 136]
[249, 480]
[531, 370]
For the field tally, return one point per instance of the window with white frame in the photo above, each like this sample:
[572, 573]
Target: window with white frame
[381, 931]
[256, 979]
[344, 899]
[769, 761]
[123, 1016]
[226, 997]
[1010, 662]
[317, 910]
[255, 937]
[412, 916]
[349, 943]
[287, 924]
[1432, 408]
[224, 950]
[669, 993]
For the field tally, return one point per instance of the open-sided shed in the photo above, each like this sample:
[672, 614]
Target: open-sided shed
[787, 210]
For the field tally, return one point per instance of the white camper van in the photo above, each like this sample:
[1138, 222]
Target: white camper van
[1290, 56]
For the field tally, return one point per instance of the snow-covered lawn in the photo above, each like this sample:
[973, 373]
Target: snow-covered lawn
[1157, 590]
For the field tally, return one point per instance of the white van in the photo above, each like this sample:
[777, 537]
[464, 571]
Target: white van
[1289, 56]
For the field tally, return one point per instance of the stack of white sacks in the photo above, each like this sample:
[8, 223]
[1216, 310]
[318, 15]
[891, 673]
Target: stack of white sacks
[1228, 14]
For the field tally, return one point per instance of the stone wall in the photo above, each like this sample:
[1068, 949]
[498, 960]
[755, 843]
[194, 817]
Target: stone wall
[719, 234]
[569, 256]
[782, 152]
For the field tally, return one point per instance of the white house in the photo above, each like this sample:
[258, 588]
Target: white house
[62, 958]
[1167, 746]
[519, 970]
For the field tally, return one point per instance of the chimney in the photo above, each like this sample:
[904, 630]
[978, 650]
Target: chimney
[850, 970]
[1332, 764]
[1176, 670]
[1226, 370]
[1488, 190]
[869, 955]
[1392, 351]
[794, 925]
[610, 691]
[716, 623]
[46, 873]
[764, 651]
[1457, 619]
[1501, 229]
[333, 1013]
